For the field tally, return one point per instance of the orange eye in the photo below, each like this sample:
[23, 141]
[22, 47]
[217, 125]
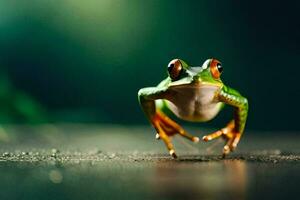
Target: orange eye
[216, 68]
[175, 69]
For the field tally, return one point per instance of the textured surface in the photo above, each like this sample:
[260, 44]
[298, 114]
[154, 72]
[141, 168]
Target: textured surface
[109, 162]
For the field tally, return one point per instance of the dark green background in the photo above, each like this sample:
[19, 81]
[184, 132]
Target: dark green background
[84, 61]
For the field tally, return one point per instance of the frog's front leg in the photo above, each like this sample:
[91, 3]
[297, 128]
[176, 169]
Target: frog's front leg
[235, 128]
[164, 126]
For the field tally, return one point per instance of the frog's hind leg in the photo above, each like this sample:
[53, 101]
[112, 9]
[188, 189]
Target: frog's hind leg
[227, 133]
[166, 128]
[161, 134]
[172, 128]
[152, 104]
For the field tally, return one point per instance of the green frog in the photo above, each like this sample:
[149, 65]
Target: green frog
[196, 94]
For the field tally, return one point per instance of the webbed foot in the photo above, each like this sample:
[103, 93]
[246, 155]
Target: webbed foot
[231, 136]
[166, 127]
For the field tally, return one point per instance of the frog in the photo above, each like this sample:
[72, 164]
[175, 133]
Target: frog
[194, 94]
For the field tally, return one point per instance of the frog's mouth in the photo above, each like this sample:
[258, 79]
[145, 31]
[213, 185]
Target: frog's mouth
[193, 83]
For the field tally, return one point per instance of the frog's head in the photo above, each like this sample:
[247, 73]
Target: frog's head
[180, 73]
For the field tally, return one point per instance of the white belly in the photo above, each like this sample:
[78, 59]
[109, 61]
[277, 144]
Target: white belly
[195, 103]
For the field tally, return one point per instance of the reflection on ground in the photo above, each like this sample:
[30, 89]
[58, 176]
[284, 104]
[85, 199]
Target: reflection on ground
[92, 162]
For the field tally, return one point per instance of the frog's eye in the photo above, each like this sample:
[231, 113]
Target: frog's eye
[175, 69]
[216, 68]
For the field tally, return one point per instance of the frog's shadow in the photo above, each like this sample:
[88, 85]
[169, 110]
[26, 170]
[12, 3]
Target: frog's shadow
[200, 158]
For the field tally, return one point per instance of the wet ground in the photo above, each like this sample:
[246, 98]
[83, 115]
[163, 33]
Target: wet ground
[109, 162]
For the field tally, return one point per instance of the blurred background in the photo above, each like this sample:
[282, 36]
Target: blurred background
[84, 61]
